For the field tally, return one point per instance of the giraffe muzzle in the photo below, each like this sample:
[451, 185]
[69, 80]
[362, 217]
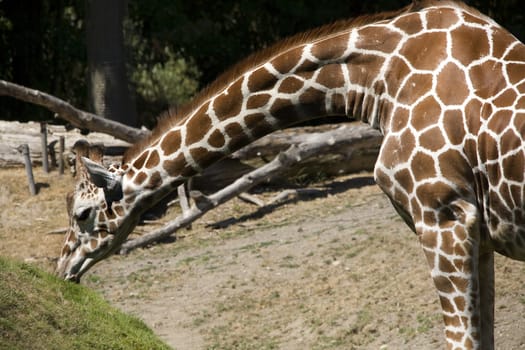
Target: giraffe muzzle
[72, 278]
[69, 267]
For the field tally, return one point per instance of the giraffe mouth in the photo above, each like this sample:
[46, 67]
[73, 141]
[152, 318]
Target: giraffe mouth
[68, 271]
[73, 278]
[72, 269]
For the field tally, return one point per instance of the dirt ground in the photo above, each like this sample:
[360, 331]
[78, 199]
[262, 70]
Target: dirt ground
[334, 269]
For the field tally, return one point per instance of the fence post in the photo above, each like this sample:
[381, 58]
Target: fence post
[29, 169]
[61, 155]
[43, 137]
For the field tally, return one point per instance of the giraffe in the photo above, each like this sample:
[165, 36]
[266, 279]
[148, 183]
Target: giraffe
[81, 149]
[442, 82]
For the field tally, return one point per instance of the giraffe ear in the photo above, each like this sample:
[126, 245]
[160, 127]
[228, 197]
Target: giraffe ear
[103, 178]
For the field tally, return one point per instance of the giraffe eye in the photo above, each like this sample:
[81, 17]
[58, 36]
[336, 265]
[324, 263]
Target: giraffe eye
[83, 215]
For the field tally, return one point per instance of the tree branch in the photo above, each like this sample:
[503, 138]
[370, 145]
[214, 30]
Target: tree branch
[75, 116]
[314, 144]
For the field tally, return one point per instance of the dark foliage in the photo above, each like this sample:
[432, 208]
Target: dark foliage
[43, 42]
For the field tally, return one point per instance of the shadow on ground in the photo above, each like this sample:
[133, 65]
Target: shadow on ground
[300, 195]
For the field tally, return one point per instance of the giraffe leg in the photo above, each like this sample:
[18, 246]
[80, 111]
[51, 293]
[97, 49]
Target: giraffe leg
[451, 244]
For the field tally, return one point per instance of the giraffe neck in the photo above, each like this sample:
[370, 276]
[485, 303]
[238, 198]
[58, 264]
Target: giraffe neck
[339, 74]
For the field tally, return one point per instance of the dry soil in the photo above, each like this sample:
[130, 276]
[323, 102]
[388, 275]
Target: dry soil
[334, 269]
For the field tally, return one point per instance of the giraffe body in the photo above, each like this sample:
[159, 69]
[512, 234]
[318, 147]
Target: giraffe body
[442, 82]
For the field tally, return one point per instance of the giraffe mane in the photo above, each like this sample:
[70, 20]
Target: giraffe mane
[176, 115]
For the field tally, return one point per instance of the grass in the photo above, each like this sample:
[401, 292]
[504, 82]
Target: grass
[40, 311]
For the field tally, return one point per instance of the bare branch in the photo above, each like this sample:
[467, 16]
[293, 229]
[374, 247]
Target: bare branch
[75, 116]
[248, 198]
[315, 144]
[292, 195]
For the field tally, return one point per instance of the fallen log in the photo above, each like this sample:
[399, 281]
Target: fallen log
[358, 156]
[318, 143]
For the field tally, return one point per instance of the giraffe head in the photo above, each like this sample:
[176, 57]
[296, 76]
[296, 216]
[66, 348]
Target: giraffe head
[95, 212]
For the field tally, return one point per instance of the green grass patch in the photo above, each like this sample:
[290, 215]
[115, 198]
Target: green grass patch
[40, 311]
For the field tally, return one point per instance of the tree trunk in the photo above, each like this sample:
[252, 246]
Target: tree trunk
[109, 92]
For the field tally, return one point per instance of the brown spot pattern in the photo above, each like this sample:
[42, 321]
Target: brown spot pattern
[258, 101]
[516, 53]
[516, 72]
[454, 167]
[426, 113]
[414, 87]
[216, 139]
[284, 62]
[227, 105]
[410, 24]
[404, 178]
[451, 87]
[487, 78]
[330, 49]
[506, 99]
[155, 180]
[258, 125]
[423, 167]
[331, 77]
[290, 85]
[513, 166]
[441, 19]
[204, 157]
[171, 142]
[378, 38]
[139, 163]
[234, 130]
[432, 139]
[140, 178]
[196, 128]
[469, 44]
[174, 166]
[261, 80]
[425, 51]
[401, 149]
[501, 40]
[359, 64]
[395, 75]
[453, 124]
[153, 159]
[400, 119]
